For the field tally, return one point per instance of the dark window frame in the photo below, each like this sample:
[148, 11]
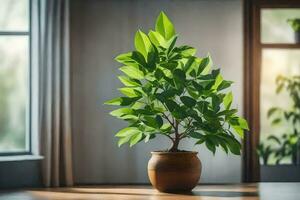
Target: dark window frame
[252, 65]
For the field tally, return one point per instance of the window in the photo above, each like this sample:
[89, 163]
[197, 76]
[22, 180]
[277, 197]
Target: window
[280, 56]
[271, 49]
[15, 45]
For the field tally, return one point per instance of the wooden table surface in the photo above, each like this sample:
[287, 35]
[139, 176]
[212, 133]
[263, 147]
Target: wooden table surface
[262, 191]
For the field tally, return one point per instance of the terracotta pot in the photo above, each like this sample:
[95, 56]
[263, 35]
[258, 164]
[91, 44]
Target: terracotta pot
[174, 171]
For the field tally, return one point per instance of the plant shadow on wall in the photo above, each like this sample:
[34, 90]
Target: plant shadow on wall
[171, 92]
[286, 147]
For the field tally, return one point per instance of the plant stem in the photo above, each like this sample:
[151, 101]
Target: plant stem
[174, 147]
[177, 138]
[166, 117]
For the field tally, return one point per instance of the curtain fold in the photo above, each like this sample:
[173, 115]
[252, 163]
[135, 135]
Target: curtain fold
[54, 93]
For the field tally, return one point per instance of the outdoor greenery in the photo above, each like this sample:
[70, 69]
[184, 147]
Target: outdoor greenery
[287, 146]
[171, 92]
[13, 96]
[295, 24]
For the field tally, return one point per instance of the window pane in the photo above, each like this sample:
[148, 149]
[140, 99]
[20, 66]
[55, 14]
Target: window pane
[274, 63]
[14, 15]
[14, 86]
[274, 26]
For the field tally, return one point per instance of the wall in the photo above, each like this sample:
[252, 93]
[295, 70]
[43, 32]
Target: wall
[20, 173]
[101, 30]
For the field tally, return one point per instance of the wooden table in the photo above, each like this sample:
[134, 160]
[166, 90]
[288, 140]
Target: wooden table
[262, 191]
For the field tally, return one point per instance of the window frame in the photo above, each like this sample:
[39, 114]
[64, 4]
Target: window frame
[252, 65]
[31, 136]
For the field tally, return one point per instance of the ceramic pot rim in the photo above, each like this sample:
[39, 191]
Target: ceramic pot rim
[173, 153]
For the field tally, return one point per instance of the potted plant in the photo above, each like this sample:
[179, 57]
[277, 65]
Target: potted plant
[295, 24]
[171, 92]
[285, 148]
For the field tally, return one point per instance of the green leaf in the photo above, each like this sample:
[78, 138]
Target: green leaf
[164, 26]
[152, 60]
[130, 92]
[130, 118]
[129, 82]
[193, 73]
[218, 81]
[171, 105]
[225, 84]
[166, 128]
[239, 131]
[200, 141]
[149, 137]
[210, 145]
[204, 65]
[188, 101]
[137, 105]
[121, 111]
[128, 131]
[189, 63]
[224, 146]
[172, 42]
[159, 121]
[144, 112]
[196, 135]
[274, 138]
[276, 121]
[157, 39]
[227, 113]
[136, 138]
[178, 114]
[122, 101]
[202, 105]
[166, 94]
[116, 101]
[138, 58]
[227, 100]
[124, 58]
[193, 93]
[233, 145]
[243, 123]
[188, 51]
[153, 122]
[142, 43]
[123, 140]
[126, 101]
[272, 111]
[216, 101]
[132, 72]
[159, 74]
[279, 88]
[179, 75]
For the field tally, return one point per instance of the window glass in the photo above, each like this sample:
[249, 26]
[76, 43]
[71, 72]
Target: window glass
[14, 15]
[276, 62]
[13, 92]
[274, 25]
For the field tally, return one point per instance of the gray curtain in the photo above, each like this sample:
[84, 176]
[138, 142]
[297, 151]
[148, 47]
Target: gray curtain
[54, 93]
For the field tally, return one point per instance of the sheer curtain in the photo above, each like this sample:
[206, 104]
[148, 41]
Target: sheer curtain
[54, 93]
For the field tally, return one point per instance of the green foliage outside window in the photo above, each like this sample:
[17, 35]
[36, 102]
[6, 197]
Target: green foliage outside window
[295, 24]
[287, 146]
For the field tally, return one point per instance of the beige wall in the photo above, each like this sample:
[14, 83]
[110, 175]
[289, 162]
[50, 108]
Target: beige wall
[103, 29]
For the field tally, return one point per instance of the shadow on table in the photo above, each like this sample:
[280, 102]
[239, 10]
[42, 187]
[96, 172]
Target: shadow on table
[202, 193]
[223, 194]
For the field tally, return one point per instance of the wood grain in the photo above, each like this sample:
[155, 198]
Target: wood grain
[263, 191]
